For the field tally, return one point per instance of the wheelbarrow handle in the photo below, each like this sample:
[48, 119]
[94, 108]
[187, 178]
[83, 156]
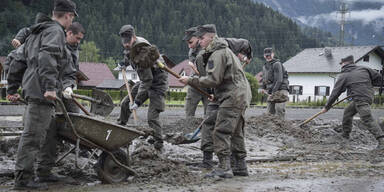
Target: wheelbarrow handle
[85, 98]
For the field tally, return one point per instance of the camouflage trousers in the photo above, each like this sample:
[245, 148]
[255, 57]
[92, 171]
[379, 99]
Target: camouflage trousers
[208, 127]
[192, 100]
[228, 134]
[35, 143]
[156, 106]
[364, 110]
[277, 108]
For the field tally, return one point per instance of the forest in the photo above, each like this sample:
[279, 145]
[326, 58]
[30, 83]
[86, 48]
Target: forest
[163, 22]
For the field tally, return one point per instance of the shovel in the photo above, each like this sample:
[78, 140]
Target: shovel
[101, 102]
[319, 113]
[192, 137]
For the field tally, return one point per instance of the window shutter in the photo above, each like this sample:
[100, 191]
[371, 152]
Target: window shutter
[301, 90]
[327, 91]
[316, 90]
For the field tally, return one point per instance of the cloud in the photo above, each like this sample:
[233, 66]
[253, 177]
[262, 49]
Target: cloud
[366, 16]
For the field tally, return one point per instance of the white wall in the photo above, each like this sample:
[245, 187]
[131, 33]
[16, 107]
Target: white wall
[129, 75]
[374, 62]
[309, 81]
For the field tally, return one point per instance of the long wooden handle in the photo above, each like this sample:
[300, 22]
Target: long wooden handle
[319, 113]
[81, 107]
[129, 94]
[85, 98]
[162, 66]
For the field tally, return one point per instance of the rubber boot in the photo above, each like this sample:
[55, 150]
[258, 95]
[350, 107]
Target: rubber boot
[346, 135]
[207, 160]
[22, 183]
[380, 146]
[223, 170]
[240, 168]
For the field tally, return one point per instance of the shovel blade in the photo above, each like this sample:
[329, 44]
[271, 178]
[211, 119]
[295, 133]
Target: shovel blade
[105, 107]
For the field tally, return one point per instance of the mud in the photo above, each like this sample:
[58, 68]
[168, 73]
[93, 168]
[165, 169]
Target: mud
[319, 151]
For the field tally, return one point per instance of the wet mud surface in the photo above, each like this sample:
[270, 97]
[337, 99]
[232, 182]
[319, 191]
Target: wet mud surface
[281, 157]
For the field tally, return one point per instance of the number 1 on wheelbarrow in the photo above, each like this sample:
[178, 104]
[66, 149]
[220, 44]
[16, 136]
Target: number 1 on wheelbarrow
[109, 131]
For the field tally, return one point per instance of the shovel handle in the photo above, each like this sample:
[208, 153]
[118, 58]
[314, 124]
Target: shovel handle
[81, 107]
[197, 129]
[129, 94]
[162, 66]
[85, 98]
[319, 113]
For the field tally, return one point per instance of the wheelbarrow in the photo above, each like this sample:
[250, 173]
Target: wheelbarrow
[92, 133]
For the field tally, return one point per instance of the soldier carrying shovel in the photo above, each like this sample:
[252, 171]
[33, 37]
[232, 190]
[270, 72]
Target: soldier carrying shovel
[142, 56]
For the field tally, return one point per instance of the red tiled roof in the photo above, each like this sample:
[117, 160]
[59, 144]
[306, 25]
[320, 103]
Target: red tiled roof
[96, 72]
[179, 68]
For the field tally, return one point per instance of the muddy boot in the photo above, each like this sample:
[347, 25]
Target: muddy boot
[240, 168]
[22, 183]
[380, 146]
[207, 160]
[158, 144]
[223, 170]
[346, 135]
[51, 177]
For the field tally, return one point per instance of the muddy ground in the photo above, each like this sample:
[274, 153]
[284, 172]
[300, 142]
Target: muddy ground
[281, 157]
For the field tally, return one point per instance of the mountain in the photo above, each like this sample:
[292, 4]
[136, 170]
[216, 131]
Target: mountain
[364, 18]
[163, 22]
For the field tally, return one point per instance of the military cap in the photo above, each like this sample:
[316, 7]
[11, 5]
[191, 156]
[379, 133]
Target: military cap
[268, 51]
[347, 59]
[126, 33]
[189, 33]
[203, 29]
[65, 6]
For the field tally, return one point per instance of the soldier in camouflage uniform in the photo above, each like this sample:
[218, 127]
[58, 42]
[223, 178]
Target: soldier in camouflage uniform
[193, 96]
[275, 84]
[358, 81]
[45, 52]
[233, 94]
[153, 81]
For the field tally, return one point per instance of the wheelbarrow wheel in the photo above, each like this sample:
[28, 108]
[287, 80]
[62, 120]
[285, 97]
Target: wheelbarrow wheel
[108, 170]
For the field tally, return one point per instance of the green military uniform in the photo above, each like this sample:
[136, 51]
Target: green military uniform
[193, 96]
[275, 81]
[153, 85]
[44, 52]
[232, 92]
[358, 81]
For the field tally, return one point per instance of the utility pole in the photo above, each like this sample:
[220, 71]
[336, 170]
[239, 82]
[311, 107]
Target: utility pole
[343, 11]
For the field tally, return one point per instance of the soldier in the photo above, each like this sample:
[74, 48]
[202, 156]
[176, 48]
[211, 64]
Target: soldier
[358, 81]
[193, 96]
[233, 94]
[74, 34]
[275, 84]
[142, 56]
[44, 52]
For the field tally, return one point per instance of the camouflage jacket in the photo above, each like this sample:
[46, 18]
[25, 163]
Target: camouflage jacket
[275, 77]
[225, 75]
[358, 81]
[153, 80]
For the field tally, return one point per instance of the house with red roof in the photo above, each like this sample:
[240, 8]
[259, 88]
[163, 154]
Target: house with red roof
[183, 70]
[96, 73]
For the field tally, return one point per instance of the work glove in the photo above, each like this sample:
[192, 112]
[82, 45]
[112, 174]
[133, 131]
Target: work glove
[67, 93]
[134, 106]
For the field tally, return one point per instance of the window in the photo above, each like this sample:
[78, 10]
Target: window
[134, 76]
[366, 58]
[295, 89]
[183, 73]
[321, 90]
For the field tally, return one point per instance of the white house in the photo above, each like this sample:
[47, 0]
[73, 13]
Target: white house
[131, 74]
[313, 72]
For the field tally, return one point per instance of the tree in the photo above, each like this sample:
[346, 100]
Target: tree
[254, 87]
[111, 63]
[89, 52]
